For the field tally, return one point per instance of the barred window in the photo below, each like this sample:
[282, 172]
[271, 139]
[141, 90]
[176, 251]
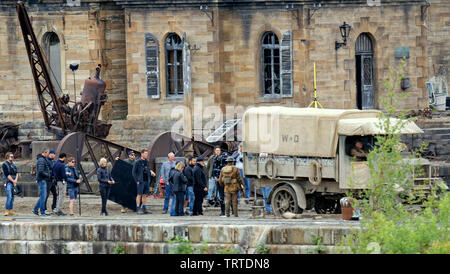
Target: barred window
[174, 65]
[152, 65]
[270, 64]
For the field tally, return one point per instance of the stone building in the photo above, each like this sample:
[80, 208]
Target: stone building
[210, 60]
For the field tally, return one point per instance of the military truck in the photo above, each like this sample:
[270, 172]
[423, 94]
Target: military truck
[303, 154]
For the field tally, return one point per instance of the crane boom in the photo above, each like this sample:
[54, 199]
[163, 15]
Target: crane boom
[48, 99]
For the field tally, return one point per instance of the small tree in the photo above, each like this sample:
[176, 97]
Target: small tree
[387, 225]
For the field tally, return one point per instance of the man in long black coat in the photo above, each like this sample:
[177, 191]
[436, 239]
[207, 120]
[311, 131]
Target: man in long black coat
[200, 186]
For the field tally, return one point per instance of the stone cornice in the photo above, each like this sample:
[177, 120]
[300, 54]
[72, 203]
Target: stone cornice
[38, 5]
[254, 4]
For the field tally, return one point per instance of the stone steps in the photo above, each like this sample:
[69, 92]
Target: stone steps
[63, 247]
[135, 236]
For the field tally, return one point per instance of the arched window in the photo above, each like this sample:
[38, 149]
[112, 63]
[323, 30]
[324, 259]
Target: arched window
[52, 50]
[270, 64]
[174, 65]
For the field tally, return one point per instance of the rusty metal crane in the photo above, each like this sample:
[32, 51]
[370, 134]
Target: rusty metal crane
[59, 117]
[78, 125]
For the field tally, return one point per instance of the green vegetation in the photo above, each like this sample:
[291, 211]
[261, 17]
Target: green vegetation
[65, 250]
[181, 245]
[119, 249]
[318, 240]
[397, 218]
[262, 249]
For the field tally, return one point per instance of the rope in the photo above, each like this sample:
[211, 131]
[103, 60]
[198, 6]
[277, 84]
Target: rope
[274, 169]
[315, 176]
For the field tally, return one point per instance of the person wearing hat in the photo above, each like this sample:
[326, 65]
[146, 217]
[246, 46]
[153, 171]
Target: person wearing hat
[131, 157]
[200, 186]
[51, 183]
[230, 179]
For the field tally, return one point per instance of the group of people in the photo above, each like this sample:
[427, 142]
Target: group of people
[55, 176]
[52, 175]
[186, 182]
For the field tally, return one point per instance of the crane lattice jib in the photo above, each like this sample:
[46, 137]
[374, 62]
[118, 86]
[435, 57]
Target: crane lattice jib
[48, 99]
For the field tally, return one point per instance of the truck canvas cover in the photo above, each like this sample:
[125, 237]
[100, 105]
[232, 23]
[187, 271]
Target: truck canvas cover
[374, 126]
[296, 131]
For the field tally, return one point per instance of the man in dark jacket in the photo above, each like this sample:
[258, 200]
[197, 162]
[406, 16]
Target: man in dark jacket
[73, 182]
[43, 173]
[141, 174]
[200, 186]
[10, 177]
[60, 177]
[51, 184]
[189, 173]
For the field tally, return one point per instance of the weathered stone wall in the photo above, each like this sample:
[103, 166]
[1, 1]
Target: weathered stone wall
[74, 236]
[437, 25]
[90, 34]
[226, 71]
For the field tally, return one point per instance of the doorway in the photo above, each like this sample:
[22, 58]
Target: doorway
[364, 72]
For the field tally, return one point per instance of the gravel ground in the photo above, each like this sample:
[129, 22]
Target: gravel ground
[91, 206]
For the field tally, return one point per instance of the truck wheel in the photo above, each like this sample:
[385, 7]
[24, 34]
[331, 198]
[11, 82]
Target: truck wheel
[285, 200]
[327, 205]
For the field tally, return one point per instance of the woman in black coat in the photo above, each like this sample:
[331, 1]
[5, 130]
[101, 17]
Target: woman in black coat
[179, 182]
[105, 181]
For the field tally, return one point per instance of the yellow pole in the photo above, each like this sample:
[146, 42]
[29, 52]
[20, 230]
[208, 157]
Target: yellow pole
[315, 102]
[315, 94]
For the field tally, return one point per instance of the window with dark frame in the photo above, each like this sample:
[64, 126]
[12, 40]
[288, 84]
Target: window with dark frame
[174, 65]
[152, 66]
[270, 64]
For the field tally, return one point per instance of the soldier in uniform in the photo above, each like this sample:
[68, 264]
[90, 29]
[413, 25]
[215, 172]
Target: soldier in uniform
[230, 179]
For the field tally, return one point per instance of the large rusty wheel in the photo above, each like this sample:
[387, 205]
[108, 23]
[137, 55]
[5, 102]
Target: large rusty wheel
[284, 200]
[169, 141]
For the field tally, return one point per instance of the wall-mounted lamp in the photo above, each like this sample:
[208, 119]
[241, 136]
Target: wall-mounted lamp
[345, 31]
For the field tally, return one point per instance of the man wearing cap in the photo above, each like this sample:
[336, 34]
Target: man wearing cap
[230, 179]
[60, 179]
[200, 186]
[51, 184]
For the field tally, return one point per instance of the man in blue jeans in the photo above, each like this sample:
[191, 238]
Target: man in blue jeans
[265, 192]
[214, 166]
[238, 156]
[43, 174]
[10, 177]
[189, 173]
[165, 170]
